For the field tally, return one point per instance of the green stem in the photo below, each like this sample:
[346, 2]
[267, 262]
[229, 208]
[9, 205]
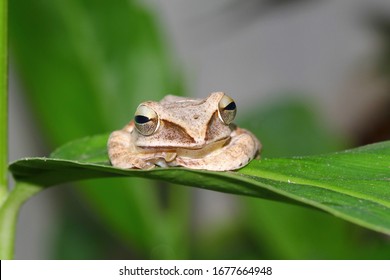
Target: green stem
[8, 216]
[3, 102]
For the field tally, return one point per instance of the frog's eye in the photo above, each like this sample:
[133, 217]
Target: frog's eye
[227, 109]
[146, 120]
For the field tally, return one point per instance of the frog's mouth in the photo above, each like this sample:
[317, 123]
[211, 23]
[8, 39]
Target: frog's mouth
[203, 151]
[170, 153]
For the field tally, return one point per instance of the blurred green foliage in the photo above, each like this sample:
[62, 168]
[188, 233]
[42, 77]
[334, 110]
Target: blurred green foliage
[86, 65]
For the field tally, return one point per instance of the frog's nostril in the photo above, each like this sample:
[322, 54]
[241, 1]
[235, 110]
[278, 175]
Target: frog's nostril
[196, 117]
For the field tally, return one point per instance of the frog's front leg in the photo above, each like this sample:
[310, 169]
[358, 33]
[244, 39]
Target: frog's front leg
[123, 152]
[242, 148]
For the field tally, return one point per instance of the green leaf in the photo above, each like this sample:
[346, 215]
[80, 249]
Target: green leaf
[353, 184]
[280, 228]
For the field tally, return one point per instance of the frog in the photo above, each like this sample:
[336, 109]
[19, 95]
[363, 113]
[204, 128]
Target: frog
[184, 132]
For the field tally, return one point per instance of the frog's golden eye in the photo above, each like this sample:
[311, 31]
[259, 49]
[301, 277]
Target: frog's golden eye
[227, 109]
[146, 120]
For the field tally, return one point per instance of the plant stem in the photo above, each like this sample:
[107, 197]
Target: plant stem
[3, 102]
[8, 216]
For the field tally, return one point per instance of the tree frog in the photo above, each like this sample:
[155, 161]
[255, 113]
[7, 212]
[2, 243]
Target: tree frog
[178, 131]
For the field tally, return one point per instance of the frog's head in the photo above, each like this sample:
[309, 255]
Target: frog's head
[177, 122]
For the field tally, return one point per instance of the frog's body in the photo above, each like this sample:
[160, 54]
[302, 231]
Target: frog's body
[185, 132]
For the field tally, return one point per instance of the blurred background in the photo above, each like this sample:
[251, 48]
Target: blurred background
[308, 76]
